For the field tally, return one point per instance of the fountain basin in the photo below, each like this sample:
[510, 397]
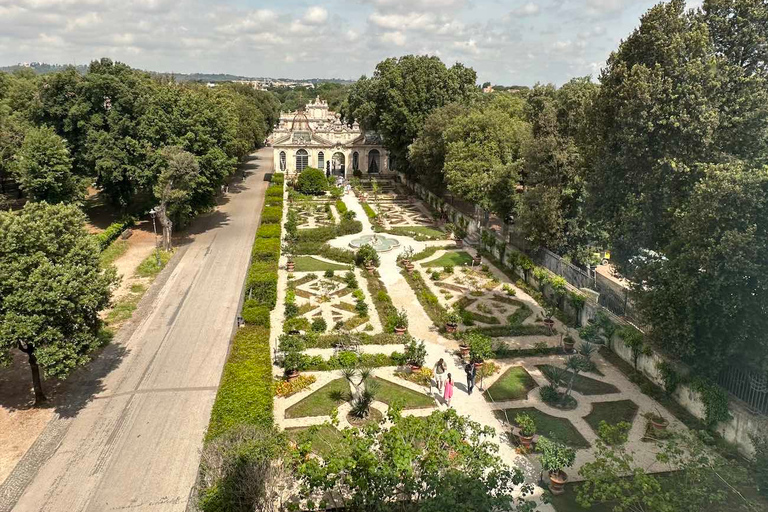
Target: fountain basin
[378, 242]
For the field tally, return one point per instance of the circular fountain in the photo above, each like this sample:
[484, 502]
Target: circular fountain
[378, 242]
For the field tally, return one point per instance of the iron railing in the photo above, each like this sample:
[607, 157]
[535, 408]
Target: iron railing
[749, 386]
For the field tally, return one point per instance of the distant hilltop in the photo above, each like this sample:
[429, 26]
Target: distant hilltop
[42, 68]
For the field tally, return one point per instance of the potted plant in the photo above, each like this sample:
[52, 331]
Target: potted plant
[527, 429]
[658, 421]
[476, 259]
[405, 256]
[459, 233]
[415, 354]
[548, 320]
[452, 320]
[288, 250]
[399, 320]
[291, 346]
[568, 343]
[554, 458]
[480, 348]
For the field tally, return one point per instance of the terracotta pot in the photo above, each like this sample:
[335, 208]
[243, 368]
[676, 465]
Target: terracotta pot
[451, 327]
[525, 442]
[409, 267]
[414, 367]
[556, 482]
[292, 375]
[464, 350]
[370, 268]
[405, 262]
[568, 346]
[479, 365]
[659, 424]
[477, 260]
[459, 243]
[399, 331]
[290, 266]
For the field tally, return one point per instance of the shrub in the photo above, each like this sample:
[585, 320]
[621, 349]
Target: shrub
[255, 314]
[312, 181]
[760, 462]
[341, 207]
[369, 211]
[351, 280]
[112, 232]
[271, 215]
[526, 423]
[268, 231]
[361, 308]
[328, 273]
[245, 394]
[549, 394]
[296, 324]
[266, 249]
[319, 325]
[480, 347]
[416, 352]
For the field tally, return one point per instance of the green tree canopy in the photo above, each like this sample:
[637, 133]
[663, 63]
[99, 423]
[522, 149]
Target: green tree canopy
[43, 168]
[52, 289]
[402, 92]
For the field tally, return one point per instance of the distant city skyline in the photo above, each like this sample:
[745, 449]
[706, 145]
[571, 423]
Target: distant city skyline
[517, 42]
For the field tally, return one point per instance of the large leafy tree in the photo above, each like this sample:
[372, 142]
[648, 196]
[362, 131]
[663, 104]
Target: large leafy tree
[402, 92]
[440, 462]
[172, 190]
[484, 157]
[43, 168]
[708, 300]
[52, 289]
[550, 211]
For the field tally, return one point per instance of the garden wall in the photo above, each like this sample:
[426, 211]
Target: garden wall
[736, 430]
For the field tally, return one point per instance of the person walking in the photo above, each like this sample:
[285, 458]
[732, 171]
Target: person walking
[471, 372]
[440, 368]
[448, 391]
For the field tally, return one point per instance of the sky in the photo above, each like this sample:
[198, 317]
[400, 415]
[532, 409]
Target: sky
[508, 42]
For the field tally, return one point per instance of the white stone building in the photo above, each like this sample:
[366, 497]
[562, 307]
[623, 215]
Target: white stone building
[316, 137]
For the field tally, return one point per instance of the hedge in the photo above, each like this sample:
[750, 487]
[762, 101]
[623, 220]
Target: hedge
[341, 207]
[331, 340]
[261, 284]
[271, 215]
[428, 300]
[245, 393]
[268, 231]
[266, 249]
[275, 190]
[113, 231]
[318, 364]
[325, 233]
[255, 314]
[369, 211]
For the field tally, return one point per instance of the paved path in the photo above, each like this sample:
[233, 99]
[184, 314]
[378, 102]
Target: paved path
[136, 444]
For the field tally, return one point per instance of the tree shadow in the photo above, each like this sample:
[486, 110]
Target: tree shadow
[204, 223]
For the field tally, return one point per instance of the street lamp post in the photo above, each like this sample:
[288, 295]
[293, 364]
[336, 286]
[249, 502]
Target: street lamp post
[153, 214]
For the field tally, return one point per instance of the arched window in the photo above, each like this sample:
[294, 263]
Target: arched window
[320, 160]
[355, 161]
[282, 161]
[373, 161]
[302, 160]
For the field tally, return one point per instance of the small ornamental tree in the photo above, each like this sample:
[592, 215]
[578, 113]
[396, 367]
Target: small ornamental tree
[312, 182]
[52, 289]
[440, 462]
[367, 254]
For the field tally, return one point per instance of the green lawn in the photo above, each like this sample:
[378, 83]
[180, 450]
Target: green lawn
[588, 386]
[322, 401]
[455, 258]
[418, 233]
[389, 392]
[325, 439]
[514, 384]
[149, 268]
[612, 413]
[112, 252]
[558, 429]
[126, 305]
[310, 264]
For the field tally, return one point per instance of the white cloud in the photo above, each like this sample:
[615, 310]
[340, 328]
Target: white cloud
[396, 38]
[315, 15]
[528, 9]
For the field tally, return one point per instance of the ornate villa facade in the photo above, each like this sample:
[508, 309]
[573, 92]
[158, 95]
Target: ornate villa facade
[316, 137]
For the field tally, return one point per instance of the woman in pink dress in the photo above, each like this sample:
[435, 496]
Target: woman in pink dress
[448, 391]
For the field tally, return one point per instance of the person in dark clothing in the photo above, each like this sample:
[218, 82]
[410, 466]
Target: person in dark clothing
[471, 372]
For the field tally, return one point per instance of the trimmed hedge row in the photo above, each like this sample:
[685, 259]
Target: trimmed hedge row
[429, 301]
[331, 340]
[113, 231]
[325, 233]
[245, 396]
[245, 393]
[341, 207]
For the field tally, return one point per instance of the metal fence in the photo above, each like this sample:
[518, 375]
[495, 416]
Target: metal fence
[749, 386]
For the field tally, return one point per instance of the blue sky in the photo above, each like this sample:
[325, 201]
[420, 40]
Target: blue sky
[505, 41]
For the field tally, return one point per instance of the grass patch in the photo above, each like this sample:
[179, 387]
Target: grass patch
[149, 267]
[429, 251]
[310, 264]
[455, 258]
[326, 440]
[611, 413]
[514, 384]
[322, 401]
[586, 385]
[558, 429]
[389, 392]
[418, 233]
[124, 307]
[112, 252]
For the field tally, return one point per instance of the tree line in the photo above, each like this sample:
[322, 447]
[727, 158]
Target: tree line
[135, 138]
[663, 160]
